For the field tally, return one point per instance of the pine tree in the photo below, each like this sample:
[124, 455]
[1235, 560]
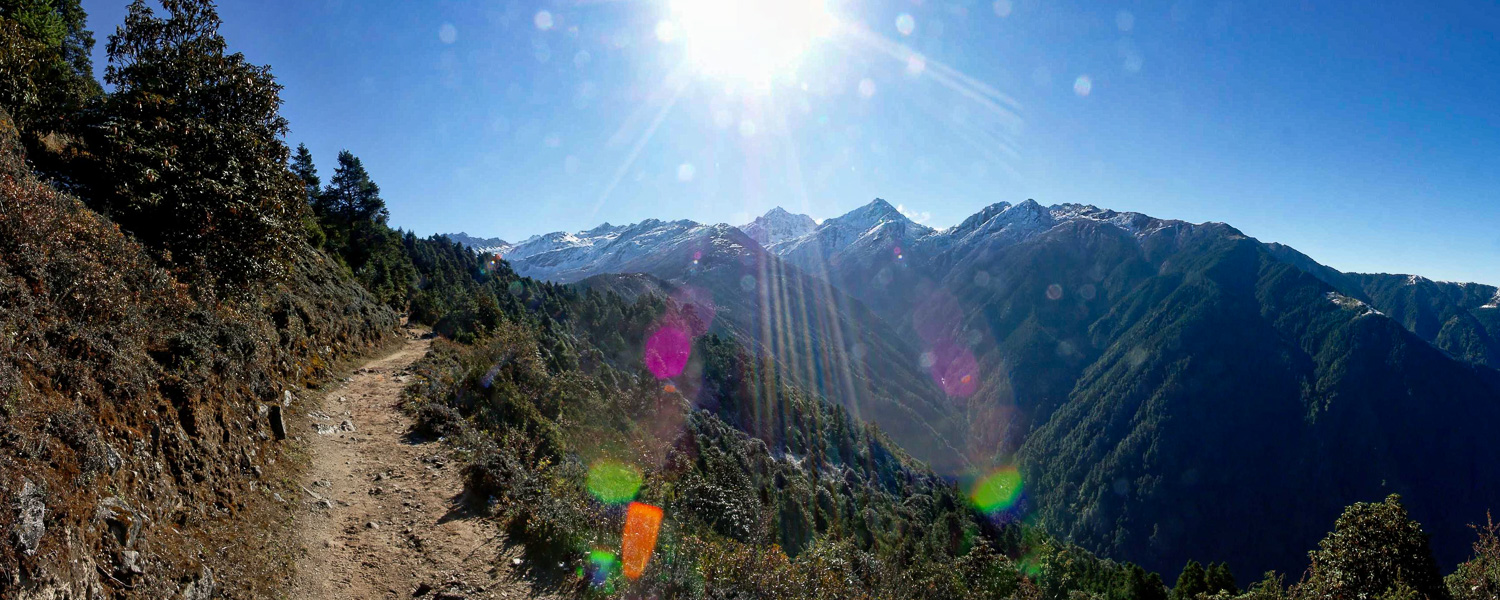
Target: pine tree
[46, 75]
[1141, 585]
[1219, 579]
[303, 168]
[1191, 582]
[351, 197]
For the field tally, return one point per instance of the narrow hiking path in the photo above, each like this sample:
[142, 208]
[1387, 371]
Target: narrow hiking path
[383, 516]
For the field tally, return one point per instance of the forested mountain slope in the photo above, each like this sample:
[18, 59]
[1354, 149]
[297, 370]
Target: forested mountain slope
[1460, 318]
[1075, 341]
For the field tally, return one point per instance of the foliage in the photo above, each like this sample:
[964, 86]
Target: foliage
[769, 492]
[46, 72]
[117, 383]
[1374, 550]
[1479, 578]
[189, 155]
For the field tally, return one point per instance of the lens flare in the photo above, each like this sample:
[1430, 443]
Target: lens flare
[954, 369]
[642, 522]
[905, 24]
[602, 565]
[667, 351]
[693, 307]
[1083, 86]
[613, 483]
[997, 491]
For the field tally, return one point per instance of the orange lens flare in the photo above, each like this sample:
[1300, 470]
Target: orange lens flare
[642, 521]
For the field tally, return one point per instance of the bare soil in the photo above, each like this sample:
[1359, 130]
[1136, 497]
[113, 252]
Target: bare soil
[384, 514]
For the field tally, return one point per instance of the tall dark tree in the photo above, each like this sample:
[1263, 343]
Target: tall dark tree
[303, 167]
[351, 197]
[192, 159]
[1374, 549]
[1142, 585]
[1220, 579]
[46, 74]
[1192, 581]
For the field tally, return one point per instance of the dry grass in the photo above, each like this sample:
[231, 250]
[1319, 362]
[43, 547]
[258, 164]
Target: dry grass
[116, 384]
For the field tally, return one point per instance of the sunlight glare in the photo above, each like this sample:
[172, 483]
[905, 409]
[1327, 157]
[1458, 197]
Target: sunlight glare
[754, 41]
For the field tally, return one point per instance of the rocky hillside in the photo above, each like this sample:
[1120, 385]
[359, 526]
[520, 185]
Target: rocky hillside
[143, 429]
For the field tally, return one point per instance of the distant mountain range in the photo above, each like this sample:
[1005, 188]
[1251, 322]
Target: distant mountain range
[1168, 389]
[478, 243]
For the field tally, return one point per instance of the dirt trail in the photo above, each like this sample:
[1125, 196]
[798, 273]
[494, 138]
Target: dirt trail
[383, 517]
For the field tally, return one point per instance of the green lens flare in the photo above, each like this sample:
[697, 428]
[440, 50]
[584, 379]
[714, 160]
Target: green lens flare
[997, 491]
[602, 568]
[614, 483]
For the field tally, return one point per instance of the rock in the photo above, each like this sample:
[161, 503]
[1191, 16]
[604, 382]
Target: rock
[278, 426]
[200, 589]
[324, 429]
[515, 562]
[286, 398]
[123, 522]
[372, 525]
[421, 590]
[30, 524]
[130, 562]
[346, 425]
[112, 458]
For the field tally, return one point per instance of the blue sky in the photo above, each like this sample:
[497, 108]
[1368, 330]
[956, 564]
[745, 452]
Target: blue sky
[1366, 134]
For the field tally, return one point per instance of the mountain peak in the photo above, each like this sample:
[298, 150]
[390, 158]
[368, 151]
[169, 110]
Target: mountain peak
[876, 212]
[880, 205]
[476, 242]
[778, 225]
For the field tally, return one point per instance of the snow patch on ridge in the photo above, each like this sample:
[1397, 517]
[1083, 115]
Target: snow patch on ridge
[1348, 303]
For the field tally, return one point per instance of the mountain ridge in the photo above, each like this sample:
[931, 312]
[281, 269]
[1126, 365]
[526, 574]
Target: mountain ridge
[1024, 316]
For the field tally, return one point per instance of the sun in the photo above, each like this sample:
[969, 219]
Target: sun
[754, 41]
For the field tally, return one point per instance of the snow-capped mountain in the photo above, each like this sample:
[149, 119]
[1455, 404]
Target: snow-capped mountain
[567, 257]
[478, 244]
[859, 245]
[778, 226]
[874, 231]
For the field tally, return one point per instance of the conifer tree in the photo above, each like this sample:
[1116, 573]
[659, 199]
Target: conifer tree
[303, 168]
[1219, 579]
[1191, 582]
[46, 76]
[1141, 585]
[351, 197]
